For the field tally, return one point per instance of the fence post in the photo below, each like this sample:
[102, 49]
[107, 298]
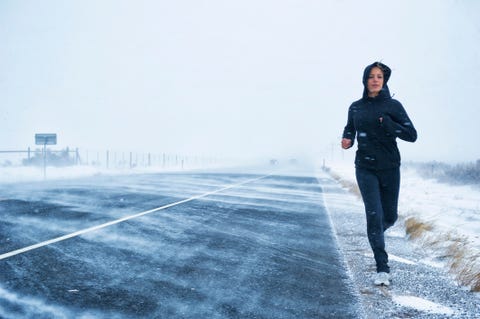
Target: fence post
[131, 159]
[107, 158]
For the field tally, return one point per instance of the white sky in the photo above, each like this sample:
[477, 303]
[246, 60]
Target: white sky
[234, 78]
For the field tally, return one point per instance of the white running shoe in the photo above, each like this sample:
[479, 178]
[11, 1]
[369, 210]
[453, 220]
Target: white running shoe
[382, 279]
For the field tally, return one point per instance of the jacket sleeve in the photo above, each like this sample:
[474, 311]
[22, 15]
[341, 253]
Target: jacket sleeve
[398, 124]
[349, 130]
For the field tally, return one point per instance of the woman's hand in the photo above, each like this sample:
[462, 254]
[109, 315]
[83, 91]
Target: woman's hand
[346, 143]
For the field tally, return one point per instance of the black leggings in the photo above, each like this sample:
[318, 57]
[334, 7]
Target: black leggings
[380, 195]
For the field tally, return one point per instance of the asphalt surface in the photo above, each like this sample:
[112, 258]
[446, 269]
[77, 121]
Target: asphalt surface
[264, 249]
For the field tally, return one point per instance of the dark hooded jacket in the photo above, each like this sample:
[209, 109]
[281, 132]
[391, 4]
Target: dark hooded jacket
[377, 146]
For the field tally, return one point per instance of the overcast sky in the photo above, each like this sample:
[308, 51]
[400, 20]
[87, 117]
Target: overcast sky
[268, 78]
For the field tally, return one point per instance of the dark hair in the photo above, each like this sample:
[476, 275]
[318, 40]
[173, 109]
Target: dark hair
[384, 68]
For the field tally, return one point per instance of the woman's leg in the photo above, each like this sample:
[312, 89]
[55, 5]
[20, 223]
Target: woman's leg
[369, 185]
[389, 189]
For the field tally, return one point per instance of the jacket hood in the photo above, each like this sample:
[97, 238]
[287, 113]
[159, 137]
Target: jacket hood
[385, 92]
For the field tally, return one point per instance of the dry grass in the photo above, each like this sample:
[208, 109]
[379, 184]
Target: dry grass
[476, 283]
[416, 228]
[462, 261]
[464, 265]
[350, 186]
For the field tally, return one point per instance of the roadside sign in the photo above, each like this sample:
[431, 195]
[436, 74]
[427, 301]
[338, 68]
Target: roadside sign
[46, 139]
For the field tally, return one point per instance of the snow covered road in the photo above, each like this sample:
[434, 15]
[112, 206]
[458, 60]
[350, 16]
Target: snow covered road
[264, 249]
[234, 245]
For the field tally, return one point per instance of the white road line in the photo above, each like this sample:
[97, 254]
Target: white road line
[402, 260]
[113, 222]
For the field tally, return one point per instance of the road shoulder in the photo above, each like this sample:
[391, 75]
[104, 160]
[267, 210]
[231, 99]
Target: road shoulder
[419, 289]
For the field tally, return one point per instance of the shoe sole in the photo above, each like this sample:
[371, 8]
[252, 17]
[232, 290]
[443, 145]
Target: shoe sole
[382, 283]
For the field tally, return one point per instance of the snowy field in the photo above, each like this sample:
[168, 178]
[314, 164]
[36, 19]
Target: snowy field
[447, 215]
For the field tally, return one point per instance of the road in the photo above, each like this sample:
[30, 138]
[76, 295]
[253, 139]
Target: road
[231, 246]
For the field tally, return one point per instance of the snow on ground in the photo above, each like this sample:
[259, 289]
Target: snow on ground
[422, 305]
[453, 212]
[451, 208]
[15, 174]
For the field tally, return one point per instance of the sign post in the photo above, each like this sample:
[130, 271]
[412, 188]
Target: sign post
[45, 139]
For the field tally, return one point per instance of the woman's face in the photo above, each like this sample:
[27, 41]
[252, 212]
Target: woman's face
[375, 81]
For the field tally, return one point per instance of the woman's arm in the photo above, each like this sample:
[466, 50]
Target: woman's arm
[398, 124]
[348, 137]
